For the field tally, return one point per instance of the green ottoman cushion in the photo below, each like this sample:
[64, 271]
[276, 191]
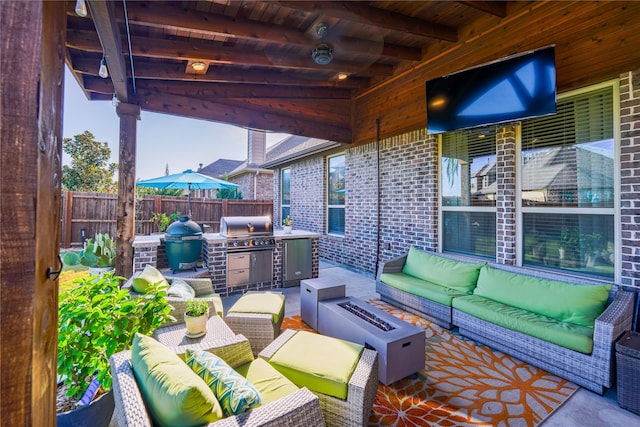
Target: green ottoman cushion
[148, 276]
[322, 364]
[270, 383]
[260, 303]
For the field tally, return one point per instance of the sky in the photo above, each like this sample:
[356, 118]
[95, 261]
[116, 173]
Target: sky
[162, 139]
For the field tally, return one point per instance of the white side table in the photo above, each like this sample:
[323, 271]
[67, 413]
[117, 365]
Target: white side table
[314, 290]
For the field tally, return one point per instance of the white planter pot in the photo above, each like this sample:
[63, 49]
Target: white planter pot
[196, 326]
[287, 229]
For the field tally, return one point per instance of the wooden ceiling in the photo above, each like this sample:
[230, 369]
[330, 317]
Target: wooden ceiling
[259, 72]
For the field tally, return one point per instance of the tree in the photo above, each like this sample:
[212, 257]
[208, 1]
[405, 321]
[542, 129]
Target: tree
[229, 193]
[90, 169]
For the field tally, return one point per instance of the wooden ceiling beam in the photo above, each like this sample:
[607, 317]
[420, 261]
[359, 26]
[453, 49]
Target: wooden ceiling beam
[98, 85]
[219, 54]
[245, 117]
[163, 16]
[104, 19]
[368, 15]
[496, 8]
[218, 74]
[226, 90]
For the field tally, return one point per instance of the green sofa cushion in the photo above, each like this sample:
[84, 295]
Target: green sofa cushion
[566, 302]
[148, 276]
[260, 302]
[270, 383]
[320, 363]
[568, 335]
[441, 271]
[175, 395]
[235, 394]
[421, 288]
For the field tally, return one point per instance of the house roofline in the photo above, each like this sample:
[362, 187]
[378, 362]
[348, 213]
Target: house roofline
[329, 145]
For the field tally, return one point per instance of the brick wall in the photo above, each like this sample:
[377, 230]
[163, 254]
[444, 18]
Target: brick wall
[630, 177]
[506, 196]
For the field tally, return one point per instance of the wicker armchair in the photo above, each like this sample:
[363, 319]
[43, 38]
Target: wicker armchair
[363, 386]
[203, 288]
[300, 408]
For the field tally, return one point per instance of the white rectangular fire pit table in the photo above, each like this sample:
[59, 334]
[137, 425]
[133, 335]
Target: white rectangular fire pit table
[400, 345]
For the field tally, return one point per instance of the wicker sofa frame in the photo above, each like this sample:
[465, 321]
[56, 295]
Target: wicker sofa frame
[361, 391]
[300, 408]
[595, 371]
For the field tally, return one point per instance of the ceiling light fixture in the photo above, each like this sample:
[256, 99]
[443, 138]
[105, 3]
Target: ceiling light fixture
[103, 71]
[342, 76]
[322, 29]
[198, 66]
[322, 54]
[81, 8]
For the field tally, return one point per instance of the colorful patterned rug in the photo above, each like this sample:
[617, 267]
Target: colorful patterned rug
[463, 384]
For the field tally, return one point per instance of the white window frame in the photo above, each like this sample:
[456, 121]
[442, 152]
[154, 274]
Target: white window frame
[615, 211]
[282, 204]
[328, 206]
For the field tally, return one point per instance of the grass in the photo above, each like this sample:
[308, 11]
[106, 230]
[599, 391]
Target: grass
[69, 274]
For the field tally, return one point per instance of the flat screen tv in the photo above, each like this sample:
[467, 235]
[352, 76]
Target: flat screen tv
[513, 88]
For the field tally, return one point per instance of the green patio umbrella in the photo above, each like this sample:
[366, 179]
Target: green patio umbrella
[187, 180]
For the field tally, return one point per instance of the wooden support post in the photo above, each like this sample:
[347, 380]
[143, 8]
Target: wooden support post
[31, 87]
[126, 210]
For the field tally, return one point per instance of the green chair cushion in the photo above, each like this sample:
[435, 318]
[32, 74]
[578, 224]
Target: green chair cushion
[421, 288]
[181, 289]
[235, 394]
[320, 363]
[568, 335]
[441, 271]
[261, 303]
[148, 276]
[173, 393]
[270, 383]
[566, 302]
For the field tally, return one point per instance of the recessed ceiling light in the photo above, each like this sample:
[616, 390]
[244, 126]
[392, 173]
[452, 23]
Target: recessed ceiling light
[198, 66]
[342, 76]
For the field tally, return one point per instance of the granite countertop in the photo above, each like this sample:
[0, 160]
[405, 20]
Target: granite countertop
[278, 234]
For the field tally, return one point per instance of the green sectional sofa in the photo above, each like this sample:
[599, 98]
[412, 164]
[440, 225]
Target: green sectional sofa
[565, 325]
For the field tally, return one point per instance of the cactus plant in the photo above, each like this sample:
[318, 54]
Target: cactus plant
[99, 252]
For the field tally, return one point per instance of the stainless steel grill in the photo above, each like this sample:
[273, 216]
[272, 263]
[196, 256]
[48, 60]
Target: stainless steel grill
[247, 233]
[250, 245]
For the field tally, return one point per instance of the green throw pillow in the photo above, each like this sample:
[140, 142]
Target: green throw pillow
[181, 289]
[149, 275]
[233, 391]
[174, 394]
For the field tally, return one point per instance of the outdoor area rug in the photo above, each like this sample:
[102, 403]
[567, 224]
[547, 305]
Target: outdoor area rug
[463, 384]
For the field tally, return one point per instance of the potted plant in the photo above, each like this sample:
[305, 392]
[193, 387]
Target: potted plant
[99, 254]
[195, 318]
[287, 224]
[95, 320]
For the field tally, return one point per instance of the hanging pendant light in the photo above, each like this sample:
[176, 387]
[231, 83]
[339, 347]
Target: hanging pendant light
[103, 71]
[81, 8]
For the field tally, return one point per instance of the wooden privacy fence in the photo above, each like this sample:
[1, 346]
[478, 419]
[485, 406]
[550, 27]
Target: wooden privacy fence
[93, 213]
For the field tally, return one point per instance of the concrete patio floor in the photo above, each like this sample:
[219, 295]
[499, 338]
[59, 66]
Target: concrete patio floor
[583, 409]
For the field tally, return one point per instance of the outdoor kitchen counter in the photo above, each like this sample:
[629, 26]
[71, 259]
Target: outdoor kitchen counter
[214, 257]
[278, 234]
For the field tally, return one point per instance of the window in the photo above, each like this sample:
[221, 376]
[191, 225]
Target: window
[336, 195]
[285, 192]
[468, 193]
[567, 186]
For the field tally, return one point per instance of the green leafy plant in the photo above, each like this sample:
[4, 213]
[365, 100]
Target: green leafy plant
[99, 252]
[97, 319]
[196, 307]
[161, 220]
[287, 221]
